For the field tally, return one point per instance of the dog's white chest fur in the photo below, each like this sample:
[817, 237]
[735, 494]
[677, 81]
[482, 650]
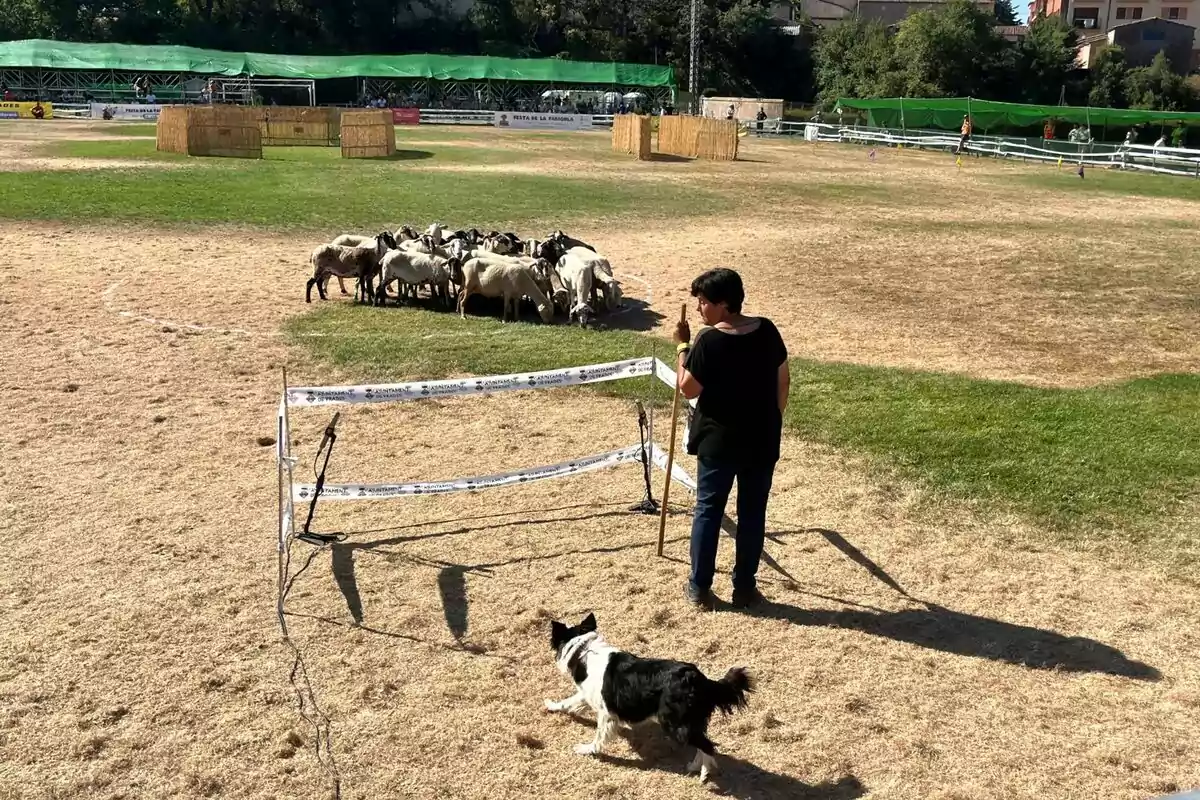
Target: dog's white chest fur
[590, 654]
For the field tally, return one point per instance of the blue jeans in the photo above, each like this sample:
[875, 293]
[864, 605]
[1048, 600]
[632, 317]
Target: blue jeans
[714, 481]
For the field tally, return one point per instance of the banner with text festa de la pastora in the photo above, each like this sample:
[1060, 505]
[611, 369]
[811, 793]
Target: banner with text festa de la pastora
[132, 111]
[560, 122]
[13, 110]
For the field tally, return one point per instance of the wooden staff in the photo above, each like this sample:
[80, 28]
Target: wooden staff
[662, 519]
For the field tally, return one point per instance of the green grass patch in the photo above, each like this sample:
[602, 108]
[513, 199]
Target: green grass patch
[139, 149]
[313, 188]
[1104, 457]
[398, 344]
[131, 129]
[1107, 181]
[323, 157]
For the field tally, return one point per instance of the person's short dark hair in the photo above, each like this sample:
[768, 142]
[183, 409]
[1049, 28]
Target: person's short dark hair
[721, 285]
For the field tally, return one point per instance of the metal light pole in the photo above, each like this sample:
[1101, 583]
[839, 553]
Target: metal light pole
[693, 66]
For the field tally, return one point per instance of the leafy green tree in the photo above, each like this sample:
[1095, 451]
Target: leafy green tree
[1157, 87]
[856, 59]
[1108, 69]
[1046, 60]
[1005, 13]
[952, 52]
[23, 19]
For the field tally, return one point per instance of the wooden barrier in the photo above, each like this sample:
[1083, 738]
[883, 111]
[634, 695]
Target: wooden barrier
[631, 134]
[368, 134]
[698, 137]
[219, 131]
[717, 139]
[286, 126]
[171, 130]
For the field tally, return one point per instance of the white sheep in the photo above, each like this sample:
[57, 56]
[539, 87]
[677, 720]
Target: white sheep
[602, 277]
[345, 262]
[511, 281]
[434, 231]
[413, 269]
[578, 278]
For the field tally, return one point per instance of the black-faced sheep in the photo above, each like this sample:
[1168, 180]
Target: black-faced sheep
[341, 261]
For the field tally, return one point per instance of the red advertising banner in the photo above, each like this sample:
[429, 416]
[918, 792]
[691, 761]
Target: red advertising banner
[406, 116]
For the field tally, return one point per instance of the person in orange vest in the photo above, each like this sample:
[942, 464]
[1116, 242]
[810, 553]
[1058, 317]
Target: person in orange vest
[966, 135]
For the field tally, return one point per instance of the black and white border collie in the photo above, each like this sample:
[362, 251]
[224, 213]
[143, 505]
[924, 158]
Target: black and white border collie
[624, 689]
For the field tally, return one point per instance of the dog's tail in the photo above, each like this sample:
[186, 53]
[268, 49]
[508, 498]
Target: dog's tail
[729, 693]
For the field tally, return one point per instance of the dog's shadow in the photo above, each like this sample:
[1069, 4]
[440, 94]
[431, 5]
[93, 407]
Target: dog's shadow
[736, 778]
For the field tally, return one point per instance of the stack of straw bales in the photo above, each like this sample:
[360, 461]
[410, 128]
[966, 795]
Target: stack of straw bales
[299, 126]
[698, 137]
[219, 131]
[631, 134]
[368, 134]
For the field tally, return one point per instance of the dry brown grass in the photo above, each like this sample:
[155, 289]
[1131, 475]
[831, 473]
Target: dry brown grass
[140, 657]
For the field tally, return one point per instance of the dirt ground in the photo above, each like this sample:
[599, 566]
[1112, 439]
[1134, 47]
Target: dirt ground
[903, 656]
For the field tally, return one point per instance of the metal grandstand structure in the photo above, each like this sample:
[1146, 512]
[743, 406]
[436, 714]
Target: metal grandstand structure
[489, 95]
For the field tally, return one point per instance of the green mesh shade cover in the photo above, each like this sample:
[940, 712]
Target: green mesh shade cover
[947, 113]
[166, 58]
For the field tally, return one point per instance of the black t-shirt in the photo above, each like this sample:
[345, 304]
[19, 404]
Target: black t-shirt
[737, 414]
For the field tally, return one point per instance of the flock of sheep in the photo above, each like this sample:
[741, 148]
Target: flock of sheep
[559, 273]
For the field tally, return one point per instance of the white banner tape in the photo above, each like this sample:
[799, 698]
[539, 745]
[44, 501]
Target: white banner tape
[667, 375]
[678, 473]
[383, 491]
[485, 384]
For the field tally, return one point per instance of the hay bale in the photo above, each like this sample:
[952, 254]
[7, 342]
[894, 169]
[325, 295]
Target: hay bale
[698, 137]
[717, 139]
[239, 140]
[631, 134]
[220, 131]
[676, 136]
[368, 134]
[286, 126]
[171, 131]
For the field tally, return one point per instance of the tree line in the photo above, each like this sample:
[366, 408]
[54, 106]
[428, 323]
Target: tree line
[954, 50]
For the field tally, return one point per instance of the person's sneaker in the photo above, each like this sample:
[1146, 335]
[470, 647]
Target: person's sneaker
[746, 598]
[701, 598]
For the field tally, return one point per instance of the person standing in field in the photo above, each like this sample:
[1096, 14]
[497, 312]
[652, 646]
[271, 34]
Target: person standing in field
[966, 135]
[737, 371]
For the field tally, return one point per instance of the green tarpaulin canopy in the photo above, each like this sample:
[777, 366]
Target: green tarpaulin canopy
[167, 58]
[947, 113]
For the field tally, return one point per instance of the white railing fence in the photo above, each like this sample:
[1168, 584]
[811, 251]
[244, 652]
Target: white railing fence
[1138, 157]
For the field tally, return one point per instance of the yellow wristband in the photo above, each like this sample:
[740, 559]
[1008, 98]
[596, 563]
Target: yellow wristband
[682, 348]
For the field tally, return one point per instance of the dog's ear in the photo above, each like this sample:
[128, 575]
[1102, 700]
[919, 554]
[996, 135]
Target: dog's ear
[558, 634]
[589, 623]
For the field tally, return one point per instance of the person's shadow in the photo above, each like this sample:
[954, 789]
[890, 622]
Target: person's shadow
[737, 778]
[949, 631]
[939, 628]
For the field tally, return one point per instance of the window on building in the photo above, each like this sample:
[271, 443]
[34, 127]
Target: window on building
[1136, 12]
[1178, 12]
[1122, 13]
[1086, 18]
